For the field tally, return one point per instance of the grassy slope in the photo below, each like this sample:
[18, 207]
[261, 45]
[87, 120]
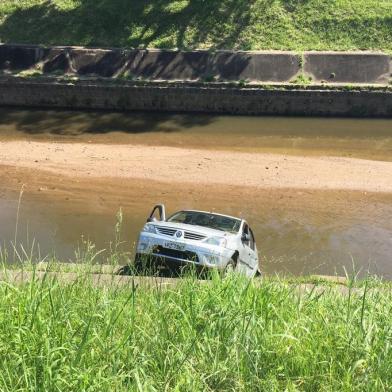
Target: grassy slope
[226, 336]
[255, 24]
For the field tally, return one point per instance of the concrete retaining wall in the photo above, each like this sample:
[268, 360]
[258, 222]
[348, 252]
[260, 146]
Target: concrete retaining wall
[199, 65]
[153, 64]
[348, 67]
[186, 67]
[188, 98]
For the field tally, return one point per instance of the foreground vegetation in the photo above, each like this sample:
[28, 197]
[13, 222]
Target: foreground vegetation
[234, 24]
[226, 335]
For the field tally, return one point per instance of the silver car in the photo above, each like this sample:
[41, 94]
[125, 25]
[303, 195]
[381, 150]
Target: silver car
[205, 240]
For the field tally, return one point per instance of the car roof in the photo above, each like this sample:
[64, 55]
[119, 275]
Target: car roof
[210, 212]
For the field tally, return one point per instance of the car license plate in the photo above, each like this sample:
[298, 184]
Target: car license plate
[174, 245]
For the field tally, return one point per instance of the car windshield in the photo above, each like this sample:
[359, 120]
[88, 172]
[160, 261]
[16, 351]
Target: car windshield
[212, 221]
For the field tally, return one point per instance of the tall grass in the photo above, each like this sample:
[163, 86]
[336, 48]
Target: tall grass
[231, 334]
[227, 334]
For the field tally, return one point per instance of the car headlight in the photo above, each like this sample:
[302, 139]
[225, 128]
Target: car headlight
[217, 241]
[148, 228]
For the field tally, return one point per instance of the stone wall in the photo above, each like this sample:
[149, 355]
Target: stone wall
[191, 98]
[329, 67]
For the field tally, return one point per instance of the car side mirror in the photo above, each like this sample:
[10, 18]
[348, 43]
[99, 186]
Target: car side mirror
[152, 219]
[245, 237]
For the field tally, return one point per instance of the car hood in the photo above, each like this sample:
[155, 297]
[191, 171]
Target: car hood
[194, 229]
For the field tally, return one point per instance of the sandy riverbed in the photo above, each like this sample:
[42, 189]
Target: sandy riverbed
[192, 166]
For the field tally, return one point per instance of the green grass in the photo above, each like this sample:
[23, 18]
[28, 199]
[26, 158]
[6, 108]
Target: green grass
[234, 24]
[229, 334]
[226, 335]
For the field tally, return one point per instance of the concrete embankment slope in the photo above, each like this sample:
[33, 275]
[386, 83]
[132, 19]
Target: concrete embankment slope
[325, 83]
[113, 277]
[199, 65]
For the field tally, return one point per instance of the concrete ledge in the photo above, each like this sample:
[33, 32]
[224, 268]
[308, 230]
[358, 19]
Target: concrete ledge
[14, 57]
[110, 281]
[172, 65]
[20, 277]
[187, 98]
[152, 64]
[348, 67]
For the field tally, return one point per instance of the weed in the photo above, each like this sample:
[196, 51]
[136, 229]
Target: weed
[301, 61]
[209, 78]
[302, 80]
[30, 73]
[242, 83]
[349, 87]
[127, 75]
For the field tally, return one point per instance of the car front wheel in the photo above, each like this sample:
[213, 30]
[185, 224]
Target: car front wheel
[230, 268]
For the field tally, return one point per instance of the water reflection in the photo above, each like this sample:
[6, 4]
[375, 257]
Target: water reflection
[306, 136]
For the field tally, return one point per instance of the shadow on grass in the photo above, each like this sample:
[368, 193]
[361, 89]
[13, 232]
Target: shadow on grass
[131, 23]
[187, 24]
[130, 270]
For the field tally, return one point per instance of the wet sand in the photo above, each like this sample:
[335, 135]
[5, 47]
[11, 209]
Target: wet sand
[203, 167]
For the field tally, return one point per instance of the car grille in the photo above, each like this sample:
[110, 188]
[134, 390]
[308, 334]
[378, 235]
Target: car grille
[177, 254]
[166, 231]
[187, 234]
[193, 236]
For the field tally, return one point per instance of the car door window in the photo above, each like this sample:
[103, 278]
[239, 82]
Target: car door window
[246, 232]
[157, 214]
[252, 239]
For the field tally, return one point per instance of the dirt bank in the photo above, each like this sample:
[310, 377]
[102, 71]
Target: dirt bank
[180, 165]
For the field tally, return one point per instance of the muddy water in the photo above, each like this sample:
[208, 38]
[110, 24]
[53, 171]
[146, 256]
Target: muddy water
[361, 138]
[297, 232]
[292, 239]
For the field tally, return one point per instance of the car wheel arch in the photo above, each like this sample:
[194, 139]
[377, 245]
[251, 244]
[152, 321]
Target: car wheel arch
[235, 257]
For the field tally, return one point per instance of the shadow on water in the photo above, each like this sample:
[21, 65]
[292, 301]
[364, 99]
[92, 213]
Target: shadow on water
[73, 123]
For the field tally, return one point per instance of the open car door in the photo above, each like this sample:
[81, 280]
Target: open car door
[157, 214]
